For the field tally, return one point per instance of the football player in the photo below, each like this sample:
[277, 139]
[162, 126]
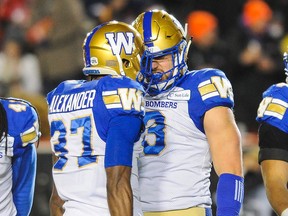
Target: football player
[94, 125]
[19, 132]
[189, 123]
[273, 135]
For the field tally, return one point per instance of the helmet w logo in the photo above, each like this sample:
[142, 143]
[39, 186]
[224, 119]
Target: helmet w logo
[120, 39]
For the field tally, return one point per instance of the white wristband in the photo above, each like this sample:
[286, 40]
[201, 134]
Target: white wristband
[285, 212]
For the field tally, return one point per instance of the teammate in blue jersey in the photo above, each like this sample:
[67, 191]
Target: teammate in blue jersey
[94, 125]
[19, 131]
[189, 123]
[273, 135]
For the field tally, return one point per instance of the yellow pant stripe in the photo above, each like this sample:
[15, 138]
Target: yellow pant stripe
[195, 211]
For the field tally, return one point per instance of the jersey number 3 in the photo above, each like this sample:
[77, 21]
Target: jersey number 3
[154, 138]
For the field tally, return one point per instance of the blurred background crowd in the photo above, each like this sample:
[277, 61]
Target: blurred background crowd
[41, 45]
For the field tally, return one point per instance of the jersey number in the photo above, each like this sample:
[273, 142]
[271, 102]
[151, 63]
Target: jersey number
[81, 128]
[154, 138]
[263, 106]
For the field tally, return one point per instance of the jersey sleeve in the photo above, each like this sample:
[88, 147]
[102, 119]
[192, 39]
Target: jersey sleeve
[215, 89]
[24, 174]
[273, 118]
[122, 96]
[123, 103]
[210, 88]
[273, 107]
[31, 132]
[23, 124]
[123, 132]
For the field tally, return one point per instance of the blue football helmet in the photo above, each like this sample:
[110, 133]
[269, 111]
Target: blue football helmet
[113, 48]
[163, 35]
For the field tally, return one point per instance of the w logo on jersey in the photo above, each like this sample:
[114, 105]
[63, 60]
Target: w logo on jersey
[118, 40]
[125, 98]
[130, 98]
[215, 86]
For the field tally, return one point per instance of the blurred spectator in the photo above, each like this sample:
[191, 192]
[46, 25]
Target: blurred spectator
[208, 50]
[20, 76]
[122, 10]
[202, 24]
[19, 72]
[257, 60]
[102, 10]
[57, 29]
[12, 13]
[15, 11]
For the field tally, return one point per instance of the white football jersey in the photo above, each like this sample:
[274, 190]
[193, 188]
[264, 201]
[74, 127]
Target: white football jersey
[175, 165]
[79, 116]
[7, 206]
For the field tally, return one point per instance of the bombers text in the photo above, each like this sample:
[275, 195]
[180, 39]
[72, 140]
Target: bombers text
[161, 104]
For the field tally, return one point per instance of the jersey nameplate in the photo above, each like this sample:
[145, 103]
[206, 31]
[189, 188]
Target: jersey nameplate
[72, 102]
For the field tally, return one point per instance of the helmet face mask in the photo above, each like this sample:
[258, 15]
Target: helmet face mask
[112, 48]
[162, 35]
[158, 82]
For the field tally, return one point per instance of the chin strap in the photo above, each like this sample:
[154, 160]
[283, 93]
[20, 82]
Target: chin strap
[188, 47]
[120, 65]
[189, 41]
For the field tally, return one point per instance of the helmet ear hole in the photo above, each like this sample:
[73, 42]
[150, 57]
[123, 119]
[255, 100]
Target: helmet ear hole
[126, 63]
